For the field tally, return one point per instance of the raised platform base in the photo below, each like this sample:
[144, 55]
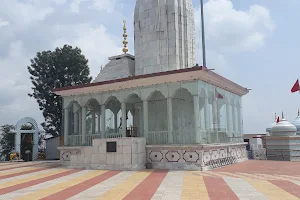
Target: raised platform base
[131, 155]
[195, 157]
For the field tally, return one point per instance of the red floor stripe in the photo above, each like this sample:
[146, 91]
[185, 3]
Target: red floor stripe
[35, 182]
[16, 167]
[10, 163]
[288, 186]
[147, 188]
[22, 173]
[218, 189]
[76, 189]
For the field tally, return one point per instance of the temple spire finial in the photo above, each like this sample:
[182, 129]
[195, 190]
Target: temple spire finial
[298, 112]
[125, 49]
[101, 67]
[275, 117]
[282, 116]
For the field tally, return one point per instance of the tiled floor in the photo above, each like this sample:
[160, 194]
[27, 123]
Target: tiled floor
[248, 180]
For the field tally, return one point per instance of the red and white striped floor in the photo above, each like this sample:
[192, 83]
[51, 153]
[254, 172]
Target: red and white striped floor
[47, 180]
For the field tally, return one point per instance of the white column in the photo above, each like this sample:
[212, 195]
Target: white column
[242, 124]
[215, 113]
[102, 121]
[116, 121]
[124, 120]
[233, 121]
[197, 119]
[80, 121]
[218, 125]
[93, 122]
[83, 124]
[206, 118]
[75, 123]
[66, 126]
[239, 122]
[18, 142]
[145, 118]
[228, 121]
[170, 120]
[35, 148]
[98, 122]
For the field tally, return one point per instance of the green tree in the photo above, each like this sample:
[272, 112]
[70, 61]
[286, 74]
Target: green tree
[7, 141]
[63, 67]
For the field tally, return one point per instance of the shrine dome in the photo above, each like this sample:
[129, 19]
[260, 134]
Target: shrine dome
[283, 128]
[296, 123]
[269, 129]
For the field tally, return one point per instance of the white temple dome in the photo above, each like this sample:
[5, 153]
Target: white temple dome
[283, 128]
[269, 129]
[296, 123]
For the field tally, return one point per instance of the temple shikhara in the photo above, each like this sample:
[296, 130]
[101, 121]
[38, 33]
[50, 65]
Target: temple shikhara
[156, 108]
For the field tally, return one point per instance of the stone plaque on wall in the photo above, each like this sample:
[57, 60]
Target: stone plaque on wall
[111, 146]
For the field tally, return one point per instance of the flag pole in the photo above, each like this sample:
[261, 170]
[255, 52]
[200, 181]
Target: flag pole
[298, 90]
[203, 34]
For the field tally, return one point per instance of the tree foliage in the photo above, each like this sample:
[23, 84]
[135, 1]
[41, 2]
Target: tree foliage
[63, 67]
[7, 141]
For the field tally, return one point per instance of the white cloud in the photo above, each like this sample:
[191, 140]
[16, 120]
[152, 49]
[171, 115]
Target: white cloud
[108, 5]
[234, 31]
[15, 85]
[3, 23]
[95, 42]
[100, 5]
[24, 13]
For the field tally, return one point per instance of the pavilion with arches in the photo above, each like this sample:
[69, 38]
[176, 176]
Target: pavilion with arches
[178, 111]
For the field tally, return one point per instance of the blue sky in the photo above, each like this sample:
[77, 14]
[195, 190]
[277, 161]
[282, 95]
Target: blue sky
[254, 43]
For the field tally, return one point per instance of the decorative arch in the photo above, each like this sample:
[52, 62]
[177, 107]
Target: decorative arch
[92, 101]
[26, 120]
[110, 98]
[73, 103]
[35, 132]
[154, 93]
[181, 90]
[183, 116]
[131, 95]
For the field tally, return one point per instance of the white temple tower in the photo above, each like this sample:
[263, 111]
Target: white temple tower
[164, 35]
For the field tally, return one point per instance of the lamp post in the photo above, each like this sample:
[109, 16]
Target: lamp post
[203, 34]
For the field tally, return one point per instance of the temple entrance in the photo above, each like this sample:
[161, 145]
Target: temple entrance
[26, 139]
[26, 146]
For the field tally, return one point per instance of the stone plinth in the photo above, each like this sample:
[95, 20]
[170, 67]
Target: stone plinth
[282, 148]
[195, 157]
[130, 155]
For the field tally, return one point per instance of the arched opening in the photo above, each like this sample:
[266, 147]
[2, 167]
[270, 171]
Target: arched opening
[27, 141]
[93, 117]
[134, 106]
[183, 117]
[74, 118]
[157, 119]
[221, 136]
[113, 121]
[27, 138]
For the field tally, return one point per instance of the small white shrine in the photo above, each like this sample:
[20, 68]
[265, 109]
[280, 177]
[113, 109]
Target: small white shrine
[157, 107]
[296, 122]
[282, 143]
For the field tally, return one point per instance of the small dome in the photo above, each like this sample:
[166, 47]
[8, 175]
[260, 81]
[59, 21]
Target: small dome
[269, 129]
[283, 128]
[296, 122]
